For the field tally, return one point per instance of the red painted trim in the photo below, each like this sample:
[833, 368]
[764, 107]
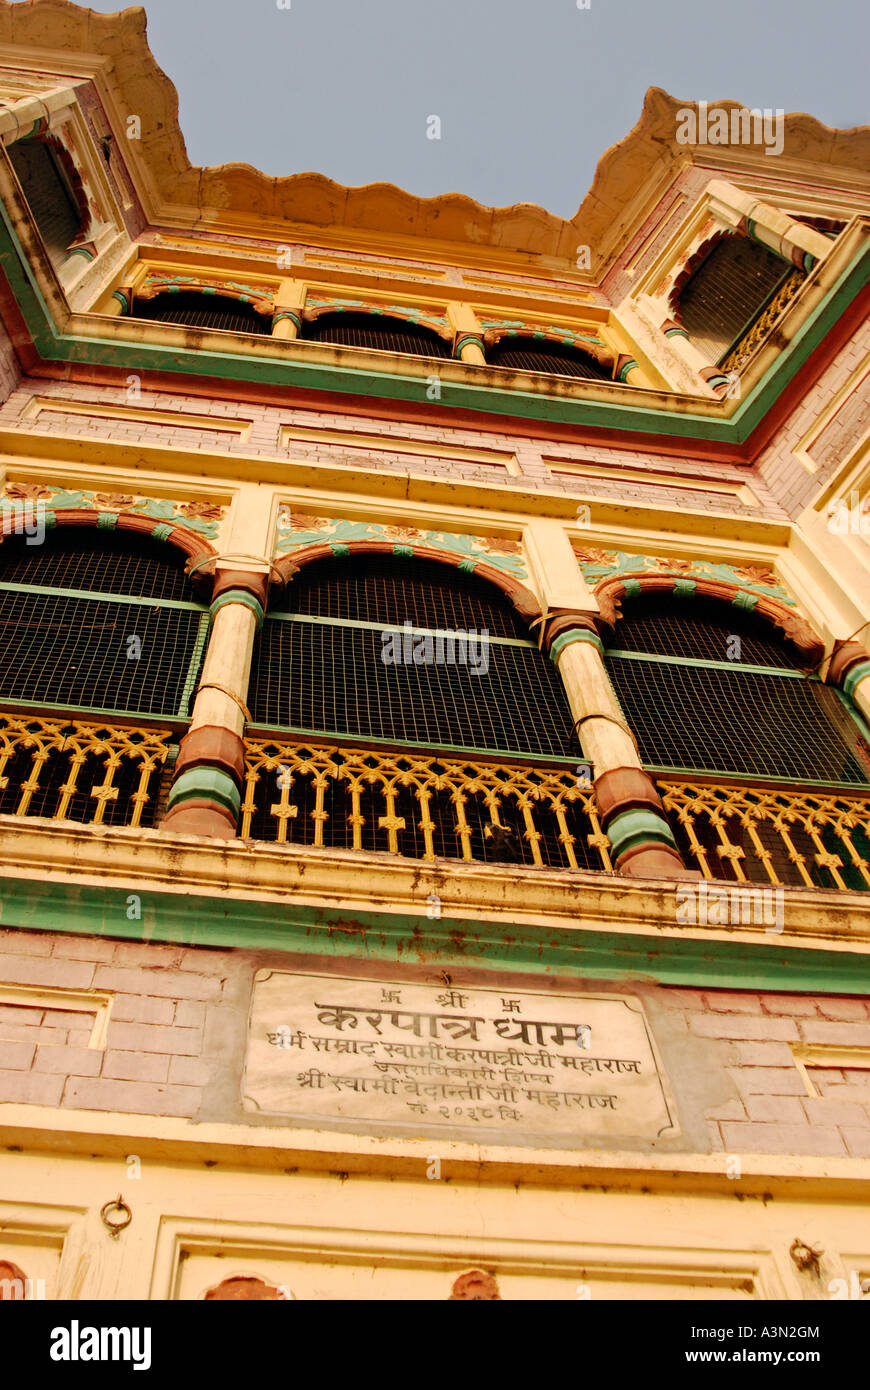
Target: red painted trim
[522, 599]
[835, 340]
[191, 545]
[610, 593]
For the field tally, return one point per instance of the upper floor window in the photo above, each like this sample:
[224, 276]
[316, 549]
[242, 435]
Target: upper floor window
[199, 310]
[713, 689]
[46, 186]
[726, 293]
[528, 354]
[377, 331]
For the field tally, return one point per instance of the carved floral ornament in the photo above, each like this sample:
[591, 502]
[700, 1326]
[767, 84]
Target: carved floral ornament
[258, 296]
[615, 575]
[299, 529]
[203, 518]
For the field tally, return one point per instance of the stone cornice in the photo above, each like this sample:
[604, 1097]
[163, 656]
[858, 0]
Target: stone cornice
[233, 196]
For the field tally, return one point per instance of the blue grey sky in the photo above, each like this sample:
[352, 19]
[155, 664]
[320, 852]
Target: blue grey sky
[530, 92]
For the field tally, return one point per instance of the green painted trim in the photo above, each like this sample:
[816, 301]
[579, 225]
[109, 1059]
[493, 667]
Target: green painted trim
[676, 333]
[241, 596]
[82, 251]
[208, 783]
[195, 663]
[224, 923]
[712, 665]
[760, 784]
[464, 340]
[854, 677]
[294, 318]
[632, 828]
[393, 627]
[566, 639]
[107, 521]
[162, 531]
[442, 750]
[109, 597]
[305, 375]
[624, 370]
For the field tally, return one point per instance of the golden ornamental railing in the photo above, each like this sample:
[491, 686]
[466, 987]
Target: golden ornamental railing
[421, 805]
[81, 770]
[758, 331]
[777, 835]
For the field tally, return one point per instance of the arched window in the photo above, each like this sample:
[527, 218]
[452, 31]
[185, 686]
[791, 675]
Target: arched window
[197, 309]
[727, 292]
[528, 354]
[377, 331]
[708, 688]
[49, 196]
[98, 621]
[101, 636]
[449, 720]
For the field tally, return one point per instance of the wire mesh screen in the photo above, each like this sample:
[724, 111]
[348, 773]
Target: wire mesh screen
[706, 633]
[738, 721]
[376, 331]
[48, 197]
[102, 562]
[199, 310]
[320, 676]
[387, 589]
[533, 355]
[77, 652]
[725, 293]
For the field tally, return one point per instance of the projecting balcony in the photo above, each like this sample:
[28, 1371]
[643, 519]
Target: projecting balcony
[425, 806]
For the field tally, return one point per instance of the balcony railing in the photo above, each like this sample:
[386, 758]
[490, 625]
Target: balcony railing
[81, 770]
[784, 835]
[421, 805]
[425, 806]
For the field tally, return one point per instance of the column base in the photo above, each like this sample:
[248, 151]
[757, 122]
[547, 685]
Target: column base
[206, 818]
[655, 861]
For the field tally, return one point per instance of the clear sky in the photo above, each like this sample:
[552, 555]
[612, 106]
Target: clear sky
[529, 92]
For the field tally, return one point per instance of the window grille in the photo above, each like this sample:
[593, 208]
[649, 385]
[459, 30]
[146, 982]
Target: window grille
[319, 668]
[727, 292]
[68, 612]
[50, 201]
[198, 310]
[691, 708]
[376, 331]
[537, 355]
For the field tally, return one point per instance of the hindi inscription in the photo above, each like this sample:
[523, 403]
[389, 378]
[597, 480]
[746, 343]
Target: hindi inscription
[414, 1058]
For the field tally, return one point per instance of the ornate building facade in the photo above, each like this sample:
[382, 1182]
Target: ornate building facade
[435, 795]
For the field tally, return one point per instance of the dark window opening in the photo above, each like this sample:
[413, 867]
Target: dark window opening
[320, 668]
[198, 310]
[377, 331]
[724, 296]
[528, 354]
[690, 694]
[48, 195]
[105, 622]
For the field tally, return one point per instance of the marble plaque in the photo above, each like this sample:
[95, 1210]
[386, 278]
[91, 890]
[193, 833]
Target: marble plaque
[504, 1065]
